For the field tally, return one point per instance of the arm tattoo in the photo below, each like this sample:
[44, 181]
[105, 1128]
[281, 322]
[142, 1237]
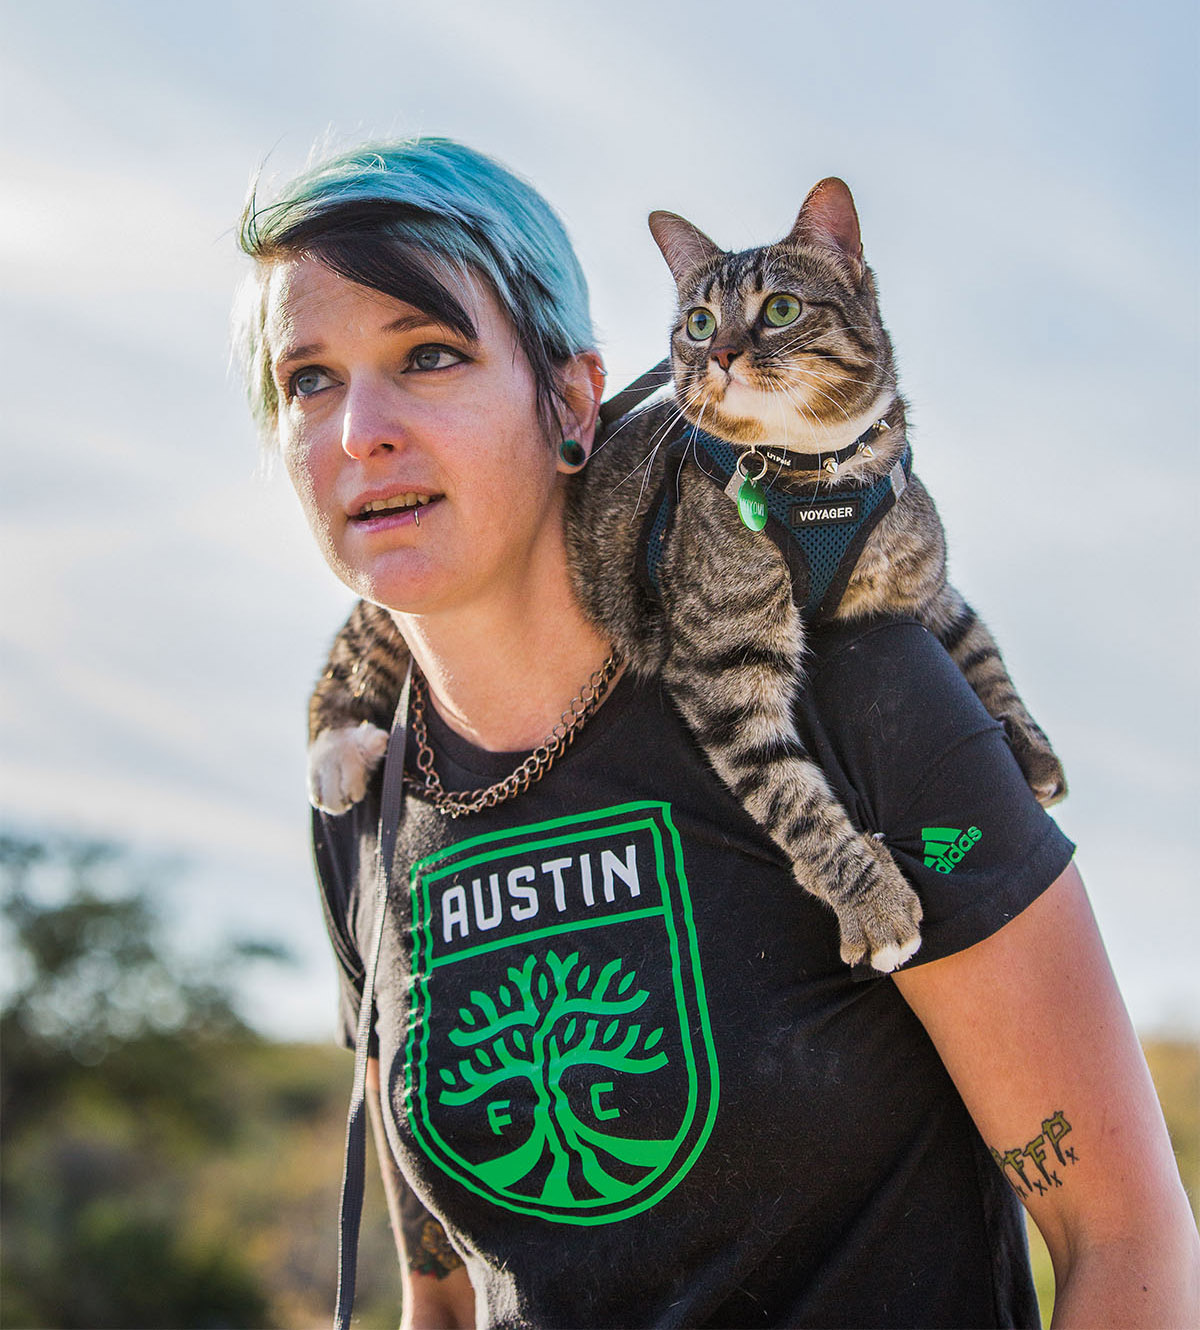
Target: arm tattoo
[426, 1246]
[1035, 1168]
[427, 1250]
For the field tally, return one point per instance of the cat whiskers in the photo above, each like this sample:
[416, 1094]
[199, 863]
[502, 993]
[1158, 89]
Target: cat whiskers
[628, 419]
[811, 376]
[696, 393]
[885, 369]
[777, 385]
[646, 464]
[634, 412]
[695, 455]
[802, 408]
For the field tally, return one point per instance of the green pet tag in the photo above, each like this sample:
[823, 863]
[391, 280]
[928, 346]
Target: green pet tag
[752, 504]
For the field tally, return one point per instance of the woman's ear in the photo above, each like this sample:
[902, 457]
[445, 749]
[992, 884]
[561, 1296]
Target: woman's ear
[583, 389]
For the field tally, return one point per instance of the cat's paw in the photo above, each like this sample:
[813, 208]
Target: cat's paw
[880, 915]
[1039, 763]
[340, 763]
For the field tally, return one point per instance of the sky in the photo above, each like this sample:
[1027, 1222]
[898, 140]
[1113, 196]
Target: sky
[1026, 175]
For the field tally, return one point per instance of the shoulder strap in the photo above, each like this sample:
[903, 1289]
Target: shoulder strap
[620, 404]
[660, 512]
[354, 1173]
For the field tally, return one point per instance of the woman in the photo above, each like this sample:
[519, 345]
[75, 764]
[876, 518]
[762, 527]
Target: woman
[620, 1075]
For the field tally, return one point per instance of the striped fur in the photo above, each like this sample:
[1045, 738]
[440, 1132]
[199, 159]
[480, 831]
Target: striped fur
[726, 634]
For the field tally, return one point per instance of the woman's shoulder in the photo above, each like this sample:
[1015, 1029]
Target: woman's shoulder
[866, 645]
[889, 678]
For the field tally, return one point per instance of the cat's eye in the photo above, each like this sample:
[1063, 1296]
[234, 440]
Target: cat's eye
[434, 356]
[701, 324]
[780, 310]
[308, 382]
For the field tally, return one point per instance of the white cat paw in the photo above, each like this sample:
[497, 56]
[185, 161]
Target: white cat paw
[340, 763]
[892, 957]
[879, 916]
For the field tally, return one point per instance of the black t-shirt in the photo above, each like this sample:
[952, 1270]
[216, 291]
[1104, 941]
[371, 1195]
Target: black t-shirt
[627, 1070]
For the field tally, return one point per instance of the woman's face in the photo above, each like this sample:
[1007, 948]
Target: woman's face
[418, 454]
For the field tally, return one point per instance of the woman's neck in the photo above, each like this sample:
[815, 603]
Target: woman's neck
[502, 674]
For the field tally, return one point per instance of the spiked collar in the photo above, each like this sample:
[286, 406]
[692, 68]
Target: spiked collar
[829, 462]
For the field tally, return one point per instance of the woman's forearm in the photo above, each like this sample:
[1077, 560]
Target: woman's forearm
[1149, 1280]
[431, 1302]
[439, 1304]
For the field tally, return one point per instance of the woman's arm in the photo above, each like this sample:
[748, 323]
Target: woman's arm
[1031, 1027]
[430, 1302]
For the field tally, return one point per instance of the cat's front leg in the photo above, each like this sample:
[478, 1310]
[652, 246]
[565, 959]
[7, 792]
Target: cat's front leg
[734, 669]
[351, 708]
[748, 737]
[973, 649]
[878, 912]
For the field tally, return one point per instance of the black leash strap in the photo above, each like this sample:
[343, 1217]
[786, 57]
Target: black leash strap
[620, 404]
[354, 1174]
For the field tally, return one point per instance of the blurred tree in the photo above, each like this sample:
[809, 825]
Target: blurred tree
[111, 1049]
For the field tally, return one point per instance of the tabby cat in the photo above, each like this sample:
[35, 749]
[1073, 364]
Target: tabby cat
[779, 352]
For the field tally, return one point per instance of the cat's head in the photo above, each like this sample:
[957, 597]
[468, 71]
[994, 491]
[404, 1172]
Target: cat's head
[781, 344]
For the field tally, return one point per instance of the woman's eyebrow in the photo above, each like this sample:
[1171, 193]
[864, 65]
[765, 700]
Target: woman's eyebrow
[409, 322]
[290, 353]
[404, 323]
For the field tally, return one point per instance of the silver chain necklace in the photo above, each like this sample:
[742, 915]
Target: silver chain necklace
[531, 770]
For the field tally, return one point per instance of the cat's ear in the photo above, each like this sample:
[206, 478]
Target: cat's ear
[684, 246]
[828, 218]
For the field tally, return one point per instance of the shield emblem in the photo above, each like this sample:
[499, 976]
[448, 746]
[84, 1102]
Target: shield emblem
[559, 1060]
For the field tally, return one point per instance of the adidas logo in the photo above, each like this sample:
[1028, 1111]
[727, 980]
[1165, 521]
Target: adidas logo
[945, 846]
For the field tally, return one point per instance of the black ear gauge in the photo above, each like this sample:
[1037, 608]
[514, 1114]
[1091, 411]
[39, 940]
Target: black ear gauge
[572, 452]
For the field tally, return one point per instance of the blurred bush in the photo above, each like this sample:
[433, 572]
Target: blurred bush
[162, 1165]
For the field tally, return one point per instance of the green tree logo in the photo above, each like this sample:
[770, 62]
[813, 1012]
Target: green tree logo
[548, 1026]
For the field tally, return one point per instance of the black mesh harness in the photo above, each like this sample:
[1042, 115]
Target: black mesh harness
[820, 535]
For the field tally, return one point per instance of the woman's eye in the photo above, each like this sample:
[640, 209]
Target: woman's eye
[781, 310]
[434, 357]
[701, 324]
[306, 382]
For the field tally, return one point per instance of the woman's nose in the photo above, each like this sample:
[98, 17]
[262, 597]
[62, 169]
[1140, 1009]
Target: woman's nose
[369, 424]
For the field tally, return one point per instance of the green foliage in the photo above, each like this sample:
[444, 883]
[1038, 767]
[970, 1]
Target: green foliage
[161, 1165]
[276, 1184]
[111, 1051]
[1175, 1067]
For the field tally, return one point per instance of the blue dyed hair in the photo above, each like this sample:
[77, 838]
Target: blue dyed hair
[411, 219]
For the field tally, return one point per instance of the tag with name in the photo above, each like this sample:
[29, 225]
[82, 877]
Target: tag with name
[826, 513]
[752, 505]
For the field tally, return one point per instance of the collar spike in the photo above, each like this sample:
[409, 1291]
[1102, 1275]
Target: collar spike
[830, 465]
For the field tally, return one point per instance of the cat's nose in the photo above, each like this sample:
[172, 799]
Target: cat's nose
[724, 355]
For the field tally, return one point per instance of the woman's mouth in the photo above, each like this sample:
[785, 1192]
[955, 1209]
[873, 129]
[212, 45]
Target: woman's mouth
[395, 508]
